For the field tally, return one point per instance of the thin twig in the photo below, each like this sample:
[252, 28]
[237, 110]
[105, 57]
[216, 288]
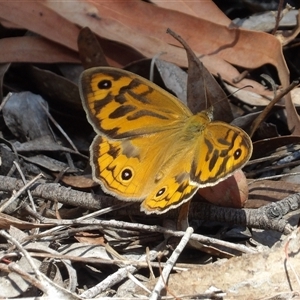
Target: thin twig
[122, 262]
[170, 264]
[41, 281]
[25, 182]
[154, 228]
[19, 192]
[278, 16]
[59, 128]
[36, 271]
[286, 252]
[151, 74]
[85, 217]
[116, 277]
[268, 108]
[6, 98]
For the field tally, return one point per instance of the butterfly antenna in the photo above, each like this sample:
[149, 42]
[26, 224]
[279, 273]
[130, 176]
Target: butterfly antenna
[231, 94]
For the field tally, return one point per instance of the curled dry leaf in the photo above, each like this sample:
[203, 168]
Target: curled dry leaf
[232, 192]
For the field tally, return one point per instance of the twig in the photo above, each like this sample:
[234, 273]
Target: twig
[85, 217]
[286, 252]
[20, 191]
[170, 264]
[268, 108]
[37, 272]
[203, 211]
[278, 16]
[273, 177]
[268, 217]
[41, 281]
[6, 98]
[152, 64]
[59, 128]
[122, 262]
[116, 277]
[132, 278]
[25, 181]
[142, 227]
[273, 167]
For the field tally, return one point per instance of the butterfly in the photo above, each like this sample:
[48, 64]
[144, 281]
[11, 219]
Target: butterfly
[149, 147]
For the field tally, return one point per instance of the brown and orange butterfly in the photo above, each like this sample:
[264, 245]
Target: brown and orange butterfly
[149, 147]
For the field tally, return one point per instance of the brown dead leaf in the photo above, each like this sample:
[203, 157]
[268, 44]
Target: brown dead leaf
[6, 221]
[128, 22]
[251, 276]
[239, 47]
[207, 10]
[53, 86]
[90, 238]
[81, 182]
[265, 191]
[220, 47]
[40, 19]
[263, 148]
[35, 50]
[203, 91]
[232, 192]
[90, 51]
[224, 47]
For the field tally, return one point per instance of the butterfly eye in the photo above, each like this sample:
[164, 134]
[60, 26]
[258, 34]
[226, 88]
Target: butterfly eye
[126, 174]
[237, 154]
[104, 84]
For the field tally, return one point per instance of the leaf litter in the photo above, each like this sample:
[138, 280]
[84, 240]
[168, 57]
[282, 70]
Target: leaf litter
[45, 236]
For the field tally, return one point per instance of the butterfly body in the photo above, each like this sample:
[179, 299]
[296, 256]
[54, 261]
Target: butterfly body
[149, 147]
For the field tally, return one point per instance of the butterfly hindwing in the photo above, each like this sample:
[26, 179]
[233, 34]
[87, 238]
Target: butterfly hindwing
[220, 151]
[123, 170]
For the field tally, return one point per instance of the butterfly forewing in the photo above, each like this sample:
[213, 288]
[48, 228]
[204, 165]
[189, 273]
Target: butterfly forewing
[118, 103]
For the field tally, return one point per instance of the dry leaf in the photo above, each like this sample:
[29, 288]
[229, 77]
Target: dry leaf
[251, 276]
